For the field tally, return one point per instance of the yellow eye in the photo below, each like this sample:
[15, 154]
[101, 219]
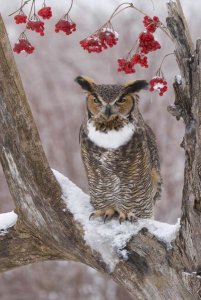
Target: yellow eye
[121, 100]
[93, 99]
[96, 100]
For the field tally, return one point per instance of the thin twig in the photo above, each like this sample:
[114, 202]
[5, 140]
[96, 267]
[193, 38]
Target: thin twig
[71, 5]
[116, 9]
[159, 68]
[34, 7]
[27, 1]
[33, 2]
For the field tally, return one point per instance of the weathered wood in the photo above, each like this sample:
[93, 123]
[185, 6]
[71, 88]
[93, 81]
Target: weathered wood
[32, 184]
[44, 231]
[188, 103]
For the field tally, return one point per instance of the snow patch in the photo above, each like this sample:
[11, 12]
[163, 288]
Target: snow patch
[109, 239]
[7, 220]
[178, 79]
[111, 139]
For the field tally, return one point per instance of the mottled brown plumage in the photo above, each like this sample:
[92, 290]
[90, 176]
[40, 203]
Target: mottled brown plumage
[119, 152]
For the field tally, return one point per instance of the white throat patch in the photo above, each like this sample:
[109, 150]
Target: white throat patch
[111, 139]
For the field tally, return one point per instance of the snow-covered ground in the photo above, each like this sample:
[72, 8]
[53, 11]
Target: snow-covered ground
[110, 238]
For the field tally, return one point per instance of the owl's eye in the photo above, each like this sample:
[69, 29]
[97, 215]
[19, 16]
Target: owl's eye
[96, 100]
[93, 99]
[121, 100]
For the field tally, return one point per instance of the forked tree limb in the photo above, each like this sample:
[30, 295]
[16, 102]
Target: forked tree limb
[34, 189]
[46, 230]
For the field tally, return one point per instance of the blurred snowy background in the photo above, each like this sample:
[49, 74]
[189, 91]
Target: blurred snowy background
[58, 105]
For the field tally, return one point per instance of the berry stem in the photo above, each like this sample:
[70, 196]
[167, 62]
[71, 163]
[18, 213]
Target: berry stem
[159, 71]
[136, 46]
[33, 4]
[116, 12]
[27, 1]
[71, 5]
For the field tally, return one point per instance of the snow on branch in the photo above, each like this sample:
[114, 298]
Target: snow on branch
[7, 220]
[109, 239]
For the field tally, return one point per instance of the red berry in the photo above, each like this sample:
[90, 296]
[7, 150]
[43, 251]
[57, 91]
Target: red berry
[159, 84]
[100, 40]
[45, 12]
[66, 25]
[35, 24]
[147, 43]
[23, 45]
[91, 45]
[126, 66]
[151, 24]
[20, 18]
[140, 59]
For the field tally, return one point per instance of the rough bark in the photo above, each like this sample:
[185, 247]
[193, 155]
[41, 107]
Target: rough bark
[44, 231]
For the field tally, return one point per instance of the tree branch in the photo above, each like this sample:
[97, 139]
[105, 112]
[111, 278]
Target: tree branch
[187, 102]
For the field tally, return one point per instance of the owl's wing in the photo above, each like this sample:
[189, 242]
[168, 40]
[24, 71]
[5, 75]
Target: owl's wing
[151, 140]
[155, 161]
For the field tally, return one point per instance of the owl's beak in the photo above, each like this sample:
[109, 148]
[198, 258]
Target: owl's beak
[108, 111]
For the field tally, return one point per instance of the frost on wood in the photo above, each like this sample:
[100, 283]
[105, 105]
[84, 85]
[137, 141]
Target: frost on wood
[7, 220]
[109, 239]
[178, 79]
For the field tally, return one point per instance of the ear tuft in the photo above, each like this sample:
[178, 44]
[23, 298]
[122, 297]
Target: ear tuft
[136, 86]
[85, 82]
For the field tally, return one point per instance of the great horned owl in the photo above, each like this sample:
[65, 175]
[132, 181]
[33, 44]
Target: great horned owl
[119, 152]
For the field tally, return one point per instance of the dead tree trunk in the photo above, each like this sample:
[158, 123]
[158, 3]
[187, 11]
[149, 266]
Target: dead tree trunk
[47, 228]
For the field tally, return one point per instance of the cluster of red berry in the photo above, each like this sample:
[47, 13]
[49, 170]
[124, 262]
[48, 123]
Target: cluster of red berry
[151, 24]
[23, 45]
[146, 44]
[66, 25]
[35, 24]
[45, 12]
[100, 40]
[158, 84]
[20, 18]
[128, 66]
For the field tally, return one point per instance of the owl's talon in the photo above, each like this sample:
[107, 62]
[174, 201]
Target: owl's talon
[131, 217]
[108, 214]
[91, 215]
[97, 213]
[105, 218]
[122, 217]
